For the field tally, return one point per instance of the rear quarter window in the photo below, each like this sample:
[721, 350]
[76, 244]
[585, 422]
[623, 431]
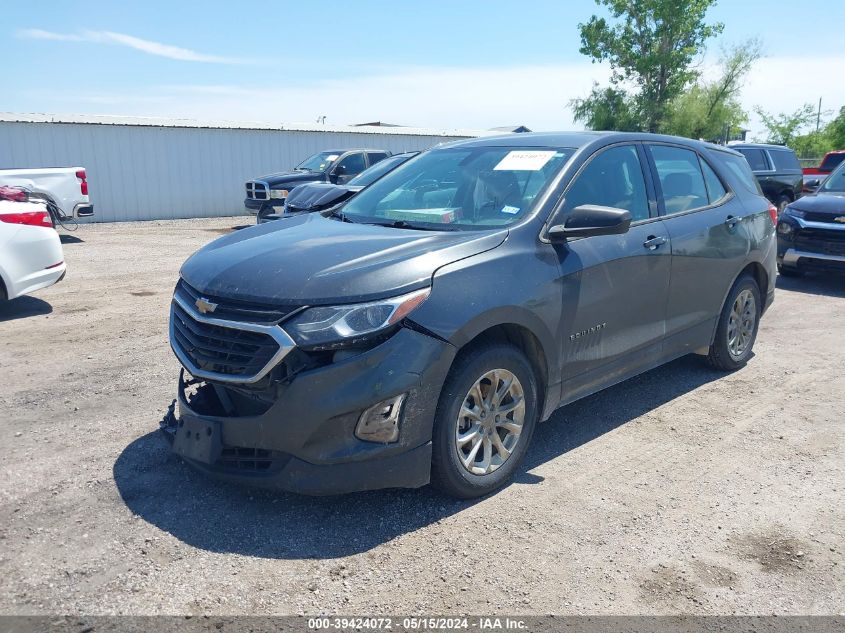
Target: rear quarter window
[740, 171]
[785, 160]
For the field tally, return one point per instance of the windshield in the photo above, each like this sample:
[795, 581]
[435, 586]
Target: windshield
[369, 176]
[836, 181]
[318, 162]
[459, 188]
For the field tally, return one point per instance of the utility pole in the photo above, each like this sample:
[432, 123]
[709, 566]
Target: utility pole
[819, 116]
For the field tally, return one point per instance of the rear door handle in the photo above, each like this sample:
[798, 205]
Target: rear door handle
[731, 221]
[653, 242]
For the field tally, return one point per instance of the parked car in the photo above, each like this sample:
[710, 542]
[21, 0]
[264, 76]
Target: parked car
[319, 196]
[829, 162]
[421, 330]
[811, 231]
[64, 188]
[777, 170]
[30, 250]
[266, 195]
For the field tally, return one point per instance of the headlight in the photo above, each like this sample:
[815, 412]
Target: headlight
[795, 213]
[331, 327]
[279, 193]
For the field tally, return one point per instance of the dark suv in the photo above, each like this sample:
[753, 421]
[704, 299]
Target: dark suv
[266, 195]
[422, 329]
[811, 231]
[777, 170]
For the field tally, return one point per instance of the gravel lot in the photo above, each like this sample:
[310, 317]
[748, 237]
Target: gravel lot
[681, 491]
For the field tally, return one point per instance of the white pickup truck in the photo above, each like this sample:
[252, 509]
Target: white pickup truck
[65, 187]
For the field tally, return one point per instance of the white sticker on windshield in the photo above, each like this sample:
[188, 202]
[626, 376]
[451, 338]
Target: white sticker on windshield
[511, 210]
[331, 158]
[524, 160]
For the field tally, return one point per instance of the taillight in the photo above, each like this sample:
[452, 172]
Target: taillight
[773, 213]
[30, 218]
[13, 193]
[83, 186]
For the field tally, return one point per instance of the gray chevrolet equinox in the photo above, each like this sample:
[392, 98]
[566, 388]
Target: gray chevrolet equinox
[420, 331]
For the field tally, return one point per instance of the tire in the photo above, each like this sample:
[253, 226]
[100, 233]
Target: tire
[788, 271]
[477, 368]
[735, 335]
[781, 203]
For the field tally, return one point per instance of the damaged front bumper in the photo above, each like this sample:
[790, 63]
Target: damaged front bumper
[299, 434]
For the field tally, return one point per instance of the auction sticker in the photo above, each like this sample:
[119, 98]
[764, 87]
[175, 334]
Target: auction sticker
[524, 160]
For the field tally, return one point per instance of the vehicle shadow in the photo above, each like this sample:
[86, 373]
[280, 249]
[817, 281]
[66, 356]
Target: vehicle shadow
[816, 284]
[217, 517]
[66, 238]
[23, 307]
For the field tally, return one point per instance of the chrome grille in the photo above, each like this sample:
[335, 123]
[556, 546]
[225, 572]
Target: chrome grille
[257, 190]
[237, 310]
[221, 349]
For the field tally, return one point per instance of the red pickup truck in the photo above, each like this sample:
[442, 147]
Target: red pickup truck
[813, 176]
[830, 162]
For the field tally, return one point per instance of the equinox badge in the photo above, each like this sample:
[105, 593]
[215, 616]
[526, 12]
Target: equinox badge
[205, 306]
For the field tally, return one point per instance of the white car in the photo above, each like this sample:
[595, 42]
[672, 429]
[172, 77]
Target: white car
[31, 254]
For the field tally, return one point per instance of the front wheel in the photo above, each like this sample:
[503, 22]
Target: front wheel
[484, 422]
[737, 328]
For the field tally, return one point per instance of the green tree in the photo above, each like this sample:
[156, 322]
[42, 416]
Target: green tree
[835, 131]
[711, 109]
[783, 128]
[607, 109]
[650, 45]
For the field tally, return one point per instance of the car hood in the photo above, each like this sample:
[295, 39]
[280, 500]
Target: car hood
[317, 196]
[292, 178]
[833, 203]
[312, 260]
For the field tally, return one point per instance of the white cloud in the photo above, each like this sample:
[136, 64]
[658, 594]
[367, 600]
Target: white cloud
[445, 98]
[146, 46]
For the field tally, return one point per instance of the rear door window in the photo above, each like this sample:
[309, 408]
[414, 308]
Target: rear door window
[784, 160]
[681, 181]
[756, 159]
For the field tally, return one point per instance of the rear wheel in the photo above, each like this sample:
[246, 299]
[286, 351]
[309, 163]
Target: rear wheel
[737, 328]
[484, 422]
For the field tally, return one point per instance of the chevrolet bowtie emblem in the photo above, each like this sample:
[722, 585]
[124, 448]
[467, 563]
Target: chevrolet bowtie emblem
[205, 306]
[841, 218]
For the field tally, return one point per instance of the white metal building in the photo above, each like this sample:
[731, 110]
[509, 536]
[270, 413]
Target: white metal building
[149, 169]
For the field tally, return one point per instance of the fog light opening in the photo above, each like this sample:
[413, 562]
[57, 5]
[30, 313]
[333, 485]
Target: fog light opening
[380, 423]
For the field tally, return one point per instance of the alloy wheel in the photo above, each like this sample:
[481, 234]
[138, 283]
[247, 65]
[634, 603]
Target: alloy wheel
[741, 323]
[490, 422]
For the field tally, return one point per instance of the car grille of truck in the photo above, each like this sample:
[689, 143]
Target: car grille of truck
[256, 190]
[221, 349]
[821, 241]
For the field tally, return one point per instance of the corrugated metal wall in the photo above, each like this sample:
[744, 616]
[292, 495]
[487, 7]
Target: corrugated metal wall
[147, 173]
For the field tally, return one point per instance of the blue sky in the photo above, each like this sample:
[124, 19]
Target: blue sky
[439, 64]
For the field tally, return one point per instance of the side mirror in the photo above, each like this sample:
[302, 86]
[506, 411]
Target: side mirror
[813, 182]
[589, 220]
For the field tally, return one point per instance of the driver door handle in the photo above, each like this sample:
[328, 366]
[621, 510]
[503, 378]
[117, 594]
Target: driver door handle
[653, 242]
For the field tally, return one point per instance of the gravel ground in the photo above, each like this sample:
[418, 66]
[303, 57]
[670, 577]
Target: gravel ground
[681, 491]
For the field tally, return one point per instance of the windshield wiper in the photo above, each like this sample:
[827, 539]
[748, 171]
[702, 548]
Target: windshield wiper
[338, 213]
[404, 224]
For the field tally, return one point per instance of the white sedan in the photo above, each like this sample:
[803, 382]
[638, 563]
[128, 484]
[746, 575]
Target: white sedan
[31, 254]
